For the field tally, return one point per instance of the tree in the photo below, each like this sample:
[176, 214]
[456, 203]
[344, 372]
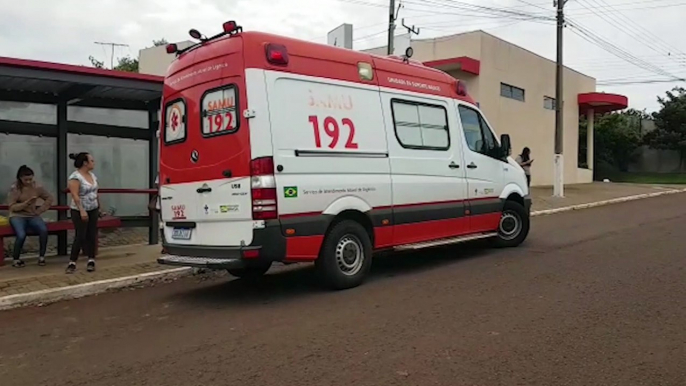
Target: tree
[96, 63]
[617, 137]
[127, 64]
[161, 42]
[670, 124]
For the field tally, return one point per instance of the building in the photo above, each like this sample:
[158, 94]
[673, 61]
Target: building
[513, 86]
[155, 60]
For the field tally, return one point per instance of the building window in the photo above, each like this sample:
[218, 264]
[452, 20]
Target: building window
[38, 153]
[511, 92]
[548, 103]
[28, 112]
[120, 163]
[420, 126]
[113, 117]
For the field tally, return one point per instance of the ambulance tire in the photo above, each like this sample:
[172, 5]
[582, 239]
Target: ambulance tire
[251, 271]
[345, 257]
[514, 224]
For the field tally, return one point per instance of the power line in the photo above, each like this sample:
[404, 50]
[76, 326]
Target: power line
[616, 22]
[633, 23]
[637, 82]
[593, 38]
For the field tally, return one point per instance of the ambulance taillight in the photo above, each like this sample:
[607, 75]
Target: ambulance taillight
[276, 54]
[263, 189]
[461, 88]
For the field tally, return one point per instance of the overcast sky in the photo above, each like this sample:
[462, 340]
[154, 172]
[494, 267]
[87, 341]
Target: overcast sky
[645, 34]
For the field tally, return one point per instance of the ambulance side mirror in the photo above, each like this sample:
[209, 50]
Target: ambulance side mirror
[505, 145]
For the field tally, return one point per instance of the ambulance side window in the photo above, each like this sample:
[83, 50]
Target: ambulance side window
[174, 122]
[420, 126]
[478, 135]
[219, 111]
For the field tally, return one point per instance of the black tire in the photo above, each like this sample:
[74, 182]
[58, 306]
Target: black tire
[346, 256]
[253, 270]
[514, 225]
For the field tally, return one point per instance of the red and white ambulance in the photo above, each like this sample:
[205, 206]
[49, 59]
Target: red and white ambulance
[280, 150]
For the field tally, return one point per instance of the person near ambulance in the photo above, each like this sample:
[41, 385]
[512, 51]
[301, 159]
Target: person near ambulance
[524, 160]
[154, 206]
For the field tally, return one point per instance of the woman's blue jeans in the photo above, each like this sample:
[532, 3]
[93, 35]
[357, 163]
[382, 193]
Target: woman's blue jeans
[23, 224]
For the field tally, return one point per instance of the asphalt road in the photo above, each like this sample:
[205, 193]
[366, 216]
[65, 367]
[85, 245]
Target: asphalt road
[595, 297]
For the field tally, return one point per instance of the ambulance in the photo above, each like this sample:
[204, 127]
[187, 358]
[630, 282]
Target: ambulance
[280, 150]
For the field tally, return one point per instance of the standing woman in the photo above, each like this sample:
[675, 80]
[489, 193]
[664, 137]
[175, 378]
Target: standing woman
[85, 209]
[524, 160]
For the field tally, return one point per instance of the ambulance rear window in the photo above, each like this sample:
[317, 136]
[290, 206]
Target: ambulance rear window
[175, 122]
[219, 111]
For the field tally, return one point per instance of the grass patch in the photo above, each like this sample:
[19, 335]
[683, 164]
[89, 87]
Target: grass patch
[647, 178]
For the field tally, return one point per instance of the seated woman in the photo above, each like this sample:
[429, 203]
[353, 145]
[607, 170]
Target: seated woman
[25, 215]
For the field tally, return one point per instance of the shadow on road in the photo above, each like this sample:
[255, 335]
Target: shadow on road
[297, 281]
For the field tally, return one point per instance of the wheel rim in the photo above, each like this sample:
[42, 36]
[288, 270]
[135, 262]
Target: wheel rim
[510, 225]
[349, 255]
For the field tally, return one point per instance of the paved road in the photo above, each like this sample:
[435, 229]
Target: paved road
[596, 297]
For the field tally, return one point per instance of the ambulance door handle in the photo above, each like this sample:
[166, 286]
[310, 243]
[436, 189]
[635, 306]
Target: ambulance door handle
[472, 165]
[203, 190]
[453, 165]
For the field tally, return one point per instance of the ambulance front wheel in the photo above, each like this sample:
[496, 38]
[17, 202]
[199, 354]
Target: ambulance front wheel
[513, 226]
[346, 256]
[251, 271]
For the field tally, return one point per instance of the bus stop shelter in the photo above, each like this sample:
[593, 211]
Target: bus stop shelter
[48, 110]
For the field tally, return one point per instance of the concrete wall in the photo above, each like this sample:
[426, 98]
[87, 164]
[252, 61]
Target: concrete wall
[528, 122]
[156, 60]
[657, 161]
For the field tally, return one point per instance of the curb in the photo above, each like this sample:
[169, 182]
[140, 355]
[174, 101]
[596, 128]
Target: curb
[53, 295]
[605, 202]
[87, 289]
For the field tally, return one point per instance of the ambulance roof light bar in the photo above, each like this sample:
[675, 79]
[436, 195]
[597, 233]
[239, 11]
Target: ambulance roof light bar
[228, 28]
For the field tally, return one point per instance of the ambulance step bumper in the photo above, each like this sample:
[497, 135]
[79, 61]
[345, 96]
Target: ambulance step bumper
[448, 241]
[201, 262]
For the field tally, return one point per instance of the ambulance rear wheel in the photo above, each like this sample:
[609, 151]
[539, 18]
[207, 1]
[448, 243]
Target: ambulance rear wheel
[346, 256]
[251, 271]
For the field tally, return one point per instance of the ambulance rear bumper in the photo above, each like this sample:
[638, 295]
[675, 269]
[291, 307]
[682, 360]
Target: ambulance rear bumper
[268, 244]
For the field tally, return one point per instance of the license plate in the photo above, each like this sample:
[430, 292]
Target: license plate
[181, 234]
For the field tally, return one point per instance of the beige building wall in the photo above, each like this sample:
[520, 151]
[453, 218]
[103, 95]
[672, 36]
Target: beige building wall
[528, 122]
[156, 60]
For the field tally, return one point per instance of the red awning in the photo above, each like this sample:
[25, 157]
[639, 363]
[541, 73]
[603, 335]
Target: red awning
[601, 102]
[463, 63]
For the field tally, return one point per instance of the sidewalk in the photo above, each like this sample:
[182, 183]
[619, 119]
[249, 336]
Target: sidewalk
[112, 263]
[587, 193]
[135, 260]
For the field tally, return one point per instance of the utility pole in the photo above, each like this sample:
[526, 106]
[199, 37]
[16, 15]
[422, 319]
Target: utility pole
[391, 26]
[112, 45]
[558, 183]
